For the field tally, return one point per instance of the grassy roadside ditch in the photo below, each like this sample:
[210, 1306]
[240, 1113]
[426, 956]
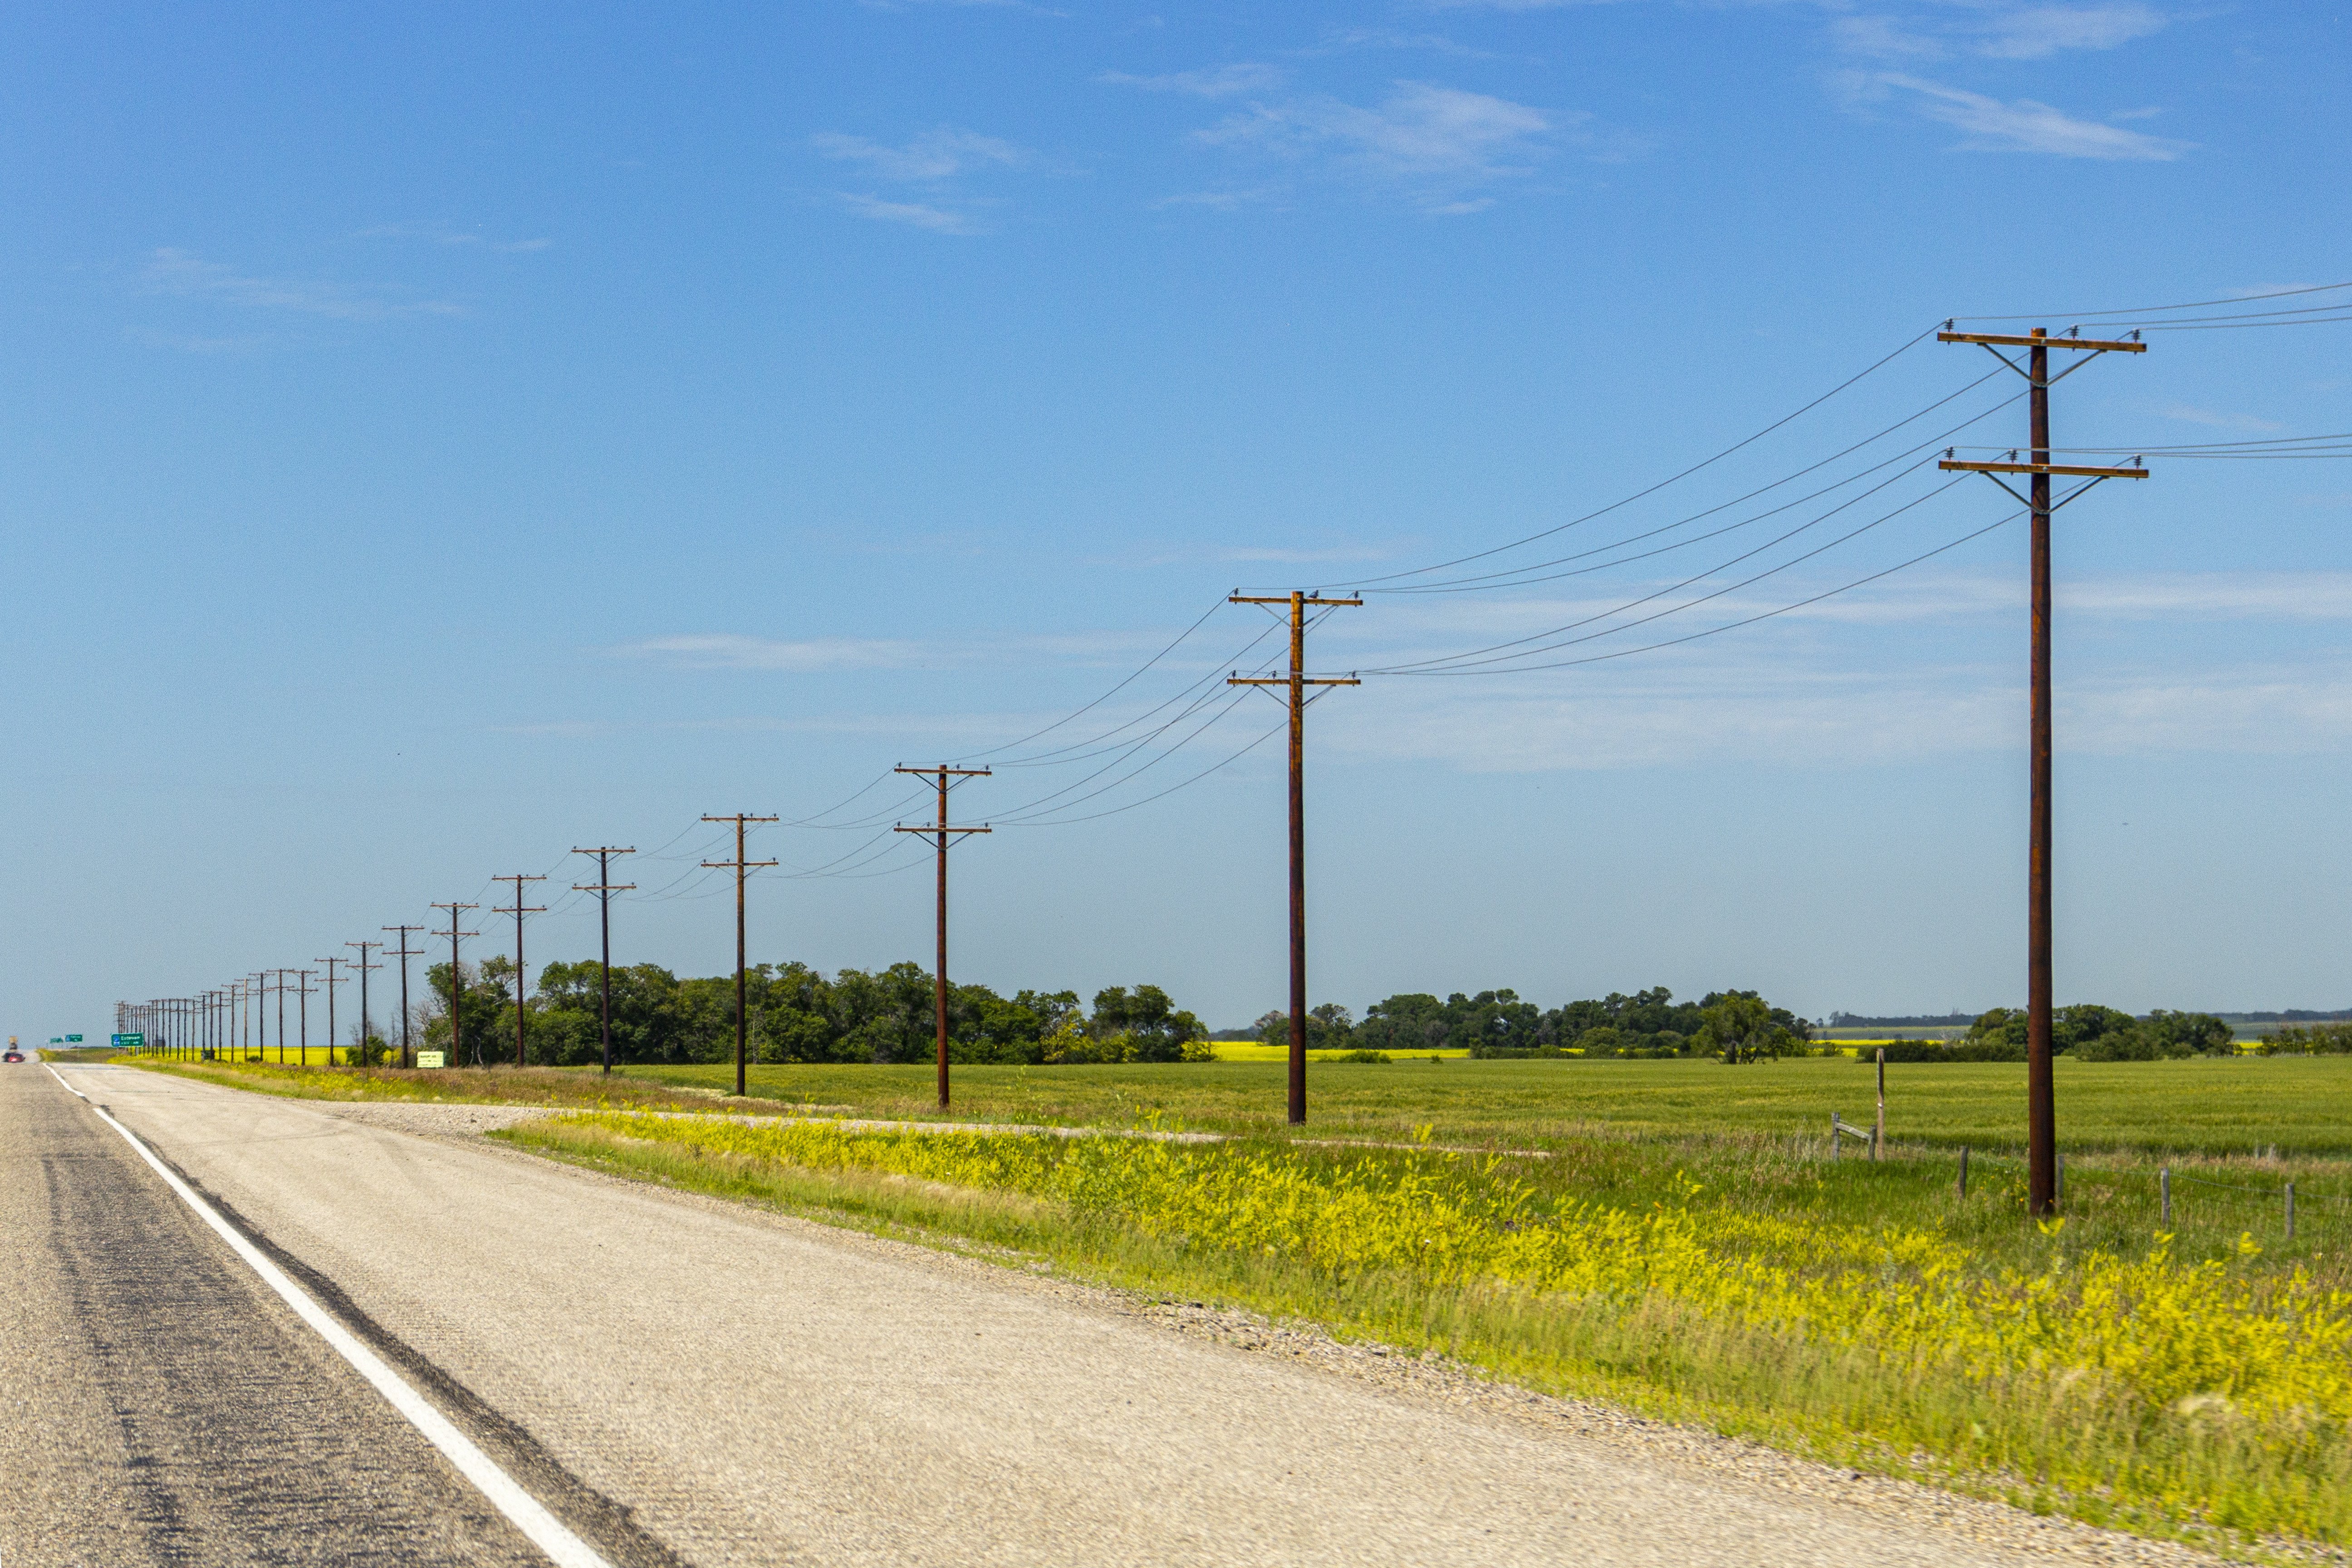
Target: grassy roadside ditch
[1868, 1316]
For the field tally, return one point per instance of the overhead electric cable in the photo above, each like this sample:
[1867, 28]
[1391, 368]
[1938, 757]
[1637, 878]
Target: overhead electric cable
[1106, 696]
[1735, 625]
[1472, 657]
[1938, 440]
[1662, 484]
[1022, 814]
[1171, 789]
[1497, 579]
[2159, 310]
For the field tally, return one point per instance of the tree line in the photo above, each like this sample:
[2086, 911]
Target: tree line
[2085, 1031]
[1731, 1025]
[794, 1013]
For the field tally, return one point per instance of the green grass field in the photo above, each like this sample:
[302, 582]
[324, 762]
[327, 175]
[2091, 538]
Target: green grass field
[2209, 1107]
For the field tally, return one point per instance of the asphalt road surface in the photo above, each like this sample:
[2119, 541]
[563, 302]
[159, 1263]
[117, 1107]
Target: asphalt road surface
[678, 1381]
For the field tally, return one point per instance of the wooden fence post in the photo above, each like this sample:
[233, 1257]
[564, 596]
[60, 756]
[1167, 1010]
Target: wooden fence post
[1878, 1133]
[1964, 1170]
[2289, 1210]
[2164, 1194]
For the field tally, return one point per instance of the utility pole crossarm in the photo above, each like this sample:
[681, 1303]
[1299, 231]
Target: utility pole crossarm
[1286, 680]
[2069, 470]
[1286, 598]
[2038, 341]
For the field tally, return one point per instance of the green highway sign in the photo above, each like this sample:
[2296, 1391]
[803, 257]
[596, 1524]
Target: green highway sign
[73, 1039]
[131, 1042]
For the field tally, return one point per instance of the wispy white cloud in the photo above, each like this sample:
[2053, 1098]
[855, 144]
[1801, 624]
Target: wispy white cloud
[934, 155]
[810, 656]
[803, 655]
[441, 233]
[2188, 414]
[2215, 595]
[1225, 81]
[1993, 31]
[1437, 144]
[914, 215]
[1719, 712]
[1394, 39]
[1992, 125]
[177, 272]
[934, 159]
[2037, 32]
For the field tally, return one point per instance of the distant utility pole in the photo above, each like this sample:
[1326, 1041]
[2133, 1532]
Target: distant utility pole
[2041, 1109]
[604, 887]
[365, 1028]
[282, 973]
[257, 1039]
[457, 982]
[521, 987]
[305, 1018]
[742, 868]
[334, 980]
[944, 834]
[407, 1058]
[1297, 681]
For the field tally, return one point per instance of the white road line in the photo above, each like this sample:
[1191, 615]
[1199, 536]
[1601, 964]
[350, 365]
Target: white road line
[546, 1532]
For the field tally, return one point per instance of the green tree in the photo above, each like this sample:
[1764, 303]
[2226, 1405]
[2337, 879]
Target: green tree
[478, 1003]
[1738, 1027]
[1156, 1028]
[2189, 1034]
[1411, 1020]
[1493, 1022]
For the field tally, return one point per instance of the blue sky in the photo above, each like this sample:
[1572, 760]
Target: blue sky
[441, 437]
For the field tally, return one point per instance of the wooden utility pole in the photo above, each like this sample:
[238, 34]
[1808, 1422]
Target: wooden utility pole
[521, 988]
[2041, 1107]
[257, 1041]
[944, 834]
[604, 887]
[367, 1033]
[281, 1012]
[407, 1058]
[334, 980]
[1296, 681]
[304, 1058]
[742, 868]
[457, 982]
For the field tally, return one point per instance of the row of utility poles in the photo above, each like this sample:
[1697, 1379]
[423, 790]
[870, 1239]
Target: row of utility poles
[234, 1020]
[214, 1011]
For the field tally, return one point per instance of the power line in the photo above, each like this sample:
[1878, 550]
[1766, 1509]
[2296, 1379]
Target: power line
[1929, 445]
[1106, 696]
[2158, 310]
[1462, 585]
[1361, 583]
[1478, 656]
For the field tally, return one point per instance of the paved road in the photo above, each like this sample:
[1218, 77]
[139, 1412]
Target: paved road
[684, 1381]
